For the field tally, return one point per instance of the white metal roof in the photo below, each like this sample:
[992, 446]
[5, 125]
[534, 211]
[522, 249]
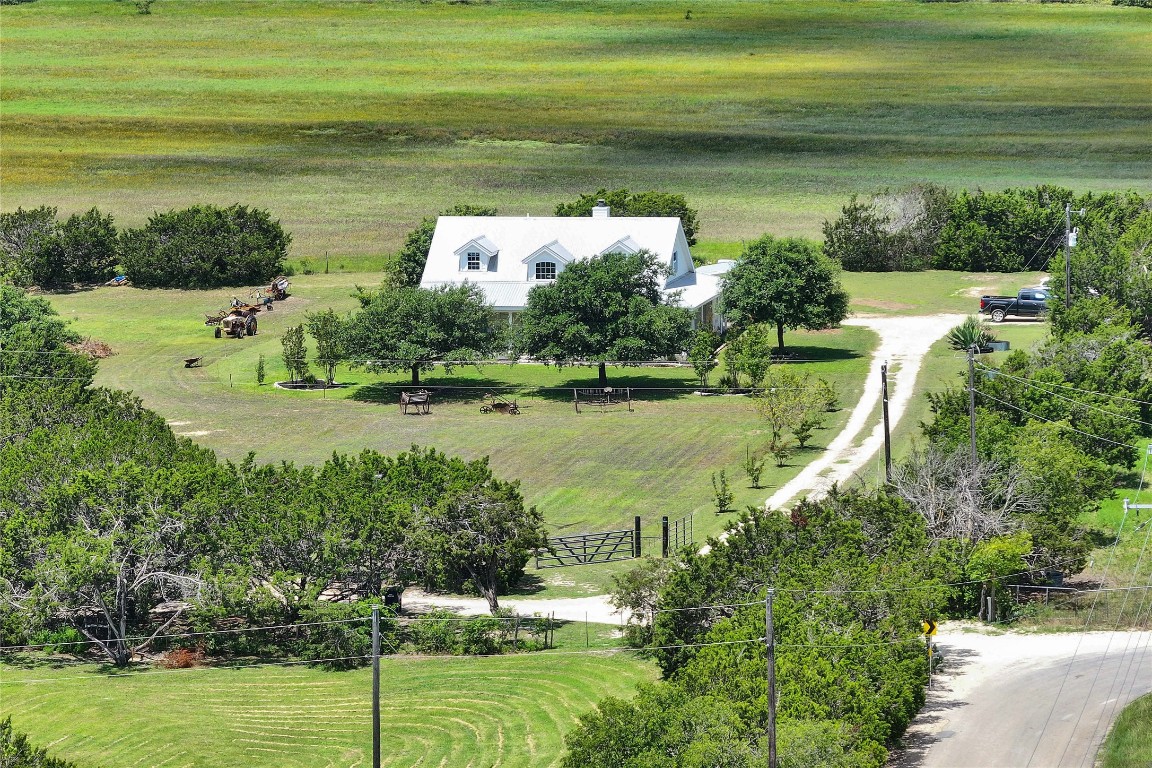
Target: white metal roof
[508, 276]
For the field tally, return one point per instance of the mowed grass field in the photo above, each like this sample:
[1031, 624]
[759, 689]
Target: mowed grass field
[351, 120]
[510, 711]
[589, 471]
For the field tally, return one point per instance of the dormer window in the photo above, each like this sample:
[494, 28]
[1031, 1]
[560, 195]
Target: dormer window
[478, 255]
[545, 270]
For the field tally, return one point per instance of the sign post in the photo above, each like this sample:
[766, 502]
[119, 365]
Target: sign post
[929, 628]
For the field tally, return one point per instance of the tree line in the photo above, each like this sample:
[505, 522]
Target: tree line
[113, 527]
[204, 246]
[931, 227]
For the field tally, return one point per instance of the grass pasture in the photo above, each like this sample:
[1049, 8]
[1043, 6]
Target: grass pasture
[351, 120]
[586, 472]
[511, 711]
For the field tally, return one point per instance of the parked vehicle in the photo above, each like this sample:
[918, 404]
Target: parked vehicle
[1029, 302]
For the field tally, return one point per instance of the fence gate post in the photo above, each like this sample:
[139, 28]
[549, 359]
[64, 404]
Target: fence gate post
[636, 536]
[664, 536]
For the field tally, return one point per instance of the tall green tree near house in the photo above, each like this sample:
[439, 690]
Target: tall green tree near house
[625, 203]
[416, 329]
[414, 253]
[786, 282]
[607, 308]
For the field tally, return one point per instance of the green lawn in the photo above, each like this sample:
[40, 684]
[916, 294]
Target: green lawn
[931, 292]
[1128, 744]
[510, 711]
[351, 120]
[586, 472]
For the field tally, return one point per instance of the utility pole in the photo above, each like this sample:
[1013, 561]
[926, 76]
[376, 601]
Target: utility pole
[1067, 255]
[770, 649]
[887, 432]
[375, 686]
[972, 401]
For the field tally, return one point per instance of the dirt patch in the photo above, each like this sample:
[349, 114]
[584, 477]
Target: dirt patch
[880, 304]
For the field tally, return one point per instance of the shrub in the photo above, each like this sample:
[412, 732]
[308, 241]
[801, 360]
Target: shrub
[205, 247]
[969, 334]
[15, 751]
[480, 636]
[1134, 3]
[336, 640]
[183, 658]
[434, 632]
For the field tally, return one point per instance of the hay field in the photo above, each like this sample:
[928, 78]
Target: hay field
[351, 120]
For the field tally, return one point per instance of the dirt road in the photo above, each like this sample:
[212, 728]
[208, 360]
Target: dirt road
[904, 341]
[595, 609]
[1026, 700]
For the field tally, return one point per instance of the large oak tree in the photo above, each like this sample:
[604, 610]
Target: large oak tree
[786, 282]
[607, 308]
[415, 329]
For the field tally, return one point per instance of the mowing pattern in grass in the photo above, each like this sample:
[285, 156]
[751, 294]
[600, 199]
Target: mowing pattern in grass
[509, 711]
[1129, 744]
[352, 120]
[587, 471]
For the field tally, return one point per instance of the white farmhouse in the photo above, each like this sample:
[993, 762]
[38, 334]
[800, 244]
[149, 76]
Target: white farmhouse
[508, 255]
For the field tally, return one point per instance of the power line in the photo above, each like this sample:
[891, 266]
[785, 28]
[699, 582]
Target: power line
[1053, 421]
[133, 638]
[1040, 386]
[1079, 640]
[1066, 386]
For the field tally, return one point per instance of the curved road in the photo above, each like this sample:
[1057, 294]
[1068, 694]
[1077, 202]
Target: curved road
[1026, 701]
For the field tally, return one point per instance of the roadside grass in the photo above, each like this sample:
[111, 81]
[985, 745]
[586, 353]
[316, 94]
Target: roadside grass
[1128, 744]
[586, 472]
[351, 121]
[503, 710]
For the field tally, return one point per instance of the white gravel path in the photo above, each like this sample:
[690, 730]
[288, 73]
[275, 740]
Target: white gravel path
[595, 608]
[904, 341]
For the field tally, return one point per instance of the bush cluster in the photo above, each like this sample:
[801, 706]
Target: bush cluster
[36, 248]
[204, 246]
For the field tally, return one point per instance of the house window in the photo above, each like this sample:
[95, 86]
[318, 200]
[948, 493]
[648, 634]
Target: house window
[545, 270]
[473, 262]
[675, 262]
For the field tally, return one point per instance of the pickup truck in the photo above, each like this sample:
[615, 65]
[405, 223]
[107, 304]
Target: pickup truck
[1029, 302]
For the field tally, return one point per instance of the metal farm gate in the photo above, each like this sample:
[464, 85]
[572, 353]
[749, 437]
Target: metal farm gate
[585, 548]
